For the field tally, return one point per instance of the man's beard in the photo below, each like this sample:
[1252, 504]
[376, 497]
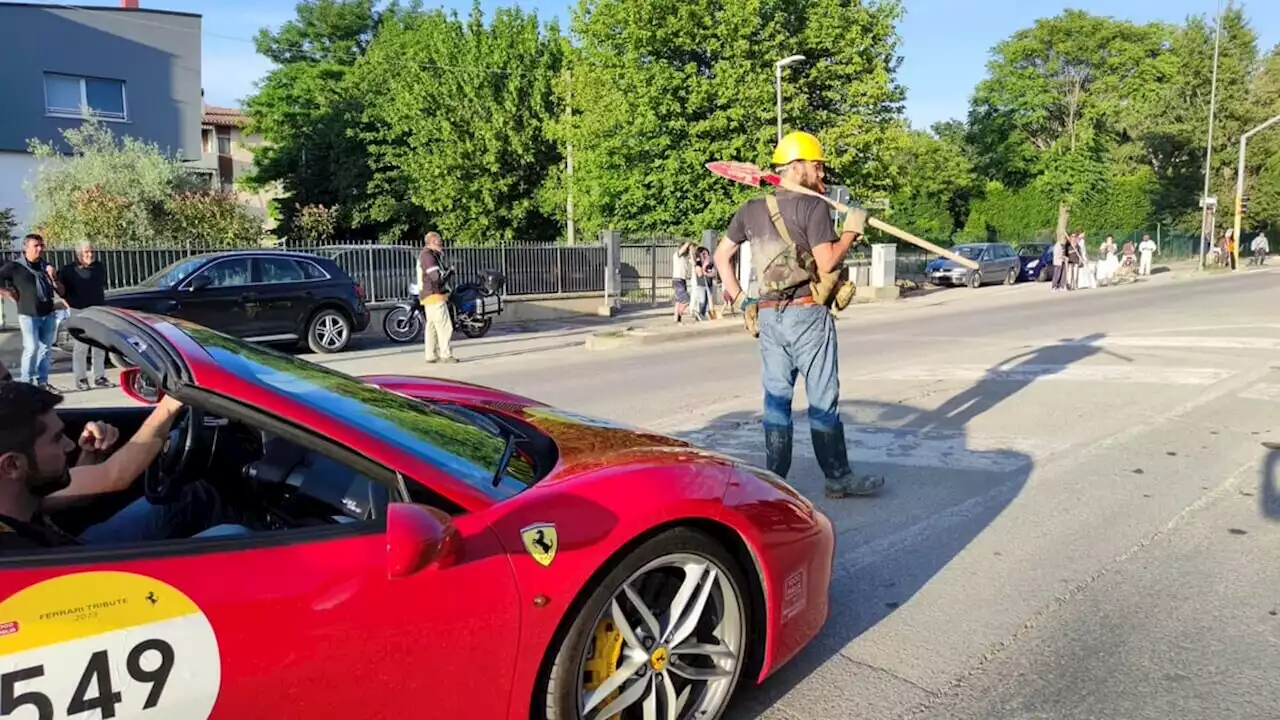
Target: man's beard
[42, 485]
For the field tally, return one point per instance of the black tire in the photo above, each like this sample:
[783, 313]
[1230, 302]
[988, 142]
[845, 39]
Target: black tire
[478, 330]
[561, 678]
[320, 329]
[1011, 277]
[975, 279]
[1044, 275]
[402, 325]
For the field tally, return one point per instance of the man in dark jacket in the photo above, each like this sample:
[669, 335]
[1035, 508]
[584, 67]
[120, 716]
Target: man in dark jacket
[84, 285]
[438, 330]
[31, 282]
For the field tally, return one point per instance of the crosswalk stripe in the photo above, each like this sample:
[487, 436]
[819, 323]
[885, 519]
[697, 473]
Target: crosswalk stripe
[1076, 372]
[1198, 341]
[1262, 391]
[942, 449]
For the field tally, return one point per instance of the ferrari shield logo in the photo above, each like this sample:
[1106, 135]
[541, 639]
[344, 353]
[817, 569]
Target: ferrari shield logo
[541, 541]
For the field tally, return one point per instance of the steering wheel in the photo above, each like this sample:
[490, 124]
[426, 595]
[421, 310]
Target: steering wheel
[165, 477]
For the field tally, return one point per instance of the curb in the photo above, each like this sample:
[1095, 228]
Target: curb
[632, 336]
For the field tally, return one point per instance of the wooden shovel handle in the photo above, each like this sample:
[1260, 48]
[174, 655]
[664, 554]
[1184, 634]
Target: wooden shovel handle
[883, 226]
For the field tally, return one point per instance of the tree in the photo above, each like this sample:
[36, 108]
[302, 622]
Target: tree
[1055, 100]
[306, 115]
[128, 193]
[455, 117]
[661, 87]
[938, 183]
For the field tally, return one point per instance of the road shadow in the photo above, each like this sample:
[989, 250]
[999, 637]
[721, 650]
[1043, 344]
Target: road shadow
[1269, 493]
[943, 490]
[941, 493]
[1006, 378]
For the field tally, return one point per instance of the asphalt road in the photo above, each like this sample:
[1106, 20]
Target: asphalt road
[1078, 509]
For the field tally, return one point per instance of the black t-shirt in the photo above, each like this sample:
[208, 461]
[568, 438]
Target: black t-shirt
[807, 219]
[83, 287]
[39, 533]
[16, 276]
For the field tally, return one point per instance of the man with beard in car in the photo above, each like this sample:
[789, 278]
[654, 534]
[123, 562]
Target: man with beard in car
[35, 478]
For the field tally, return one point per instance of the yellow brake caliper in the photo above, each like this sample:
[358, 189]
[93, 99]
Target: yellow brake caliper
[606, 650]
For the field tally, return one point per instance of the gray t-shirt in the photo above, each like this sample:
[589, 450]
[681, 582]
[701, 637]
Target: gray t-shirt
[807, 219]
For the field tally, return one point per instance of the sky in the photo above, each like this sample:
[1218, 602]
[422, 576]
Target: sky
[945, 43]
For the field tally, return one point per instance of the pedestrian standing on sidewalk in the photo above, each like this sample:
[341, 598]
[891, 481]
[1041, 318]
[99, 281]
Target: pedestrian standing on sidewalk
[1260, 248]
[437, 331]
[1146, 251]
[84, 285]
[31, 282]
[1108, 248]
[793, 240]
[1059, 262]
[681, 274]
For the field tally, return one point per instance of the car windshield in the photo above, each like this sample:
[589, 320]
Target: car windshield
[461, 443]
[174, 273]
[968, 251]
[1032, 250]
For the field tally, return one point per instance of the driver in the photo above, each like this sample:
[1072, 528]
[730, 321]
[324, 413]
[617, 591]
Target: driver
[35, 478]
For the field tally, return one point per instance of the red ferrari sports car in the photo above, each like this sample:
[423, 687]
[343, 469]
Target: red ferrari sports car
[410, 547]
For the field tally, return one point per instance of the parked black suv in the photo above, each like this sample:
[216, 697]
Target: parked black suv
[266, 296]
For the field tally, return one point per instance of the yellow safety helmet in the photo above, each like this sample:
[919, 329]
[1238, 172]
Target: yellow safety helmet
[797, 146]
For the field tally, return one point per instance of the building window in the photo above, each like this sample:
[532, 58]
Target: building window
[71, 94]
[224, 141]
[206, 140]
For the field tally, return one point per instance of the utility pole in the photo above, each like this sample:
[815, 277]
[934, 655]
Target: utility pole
[1206, 226]
[568, 111]
[1244, 140]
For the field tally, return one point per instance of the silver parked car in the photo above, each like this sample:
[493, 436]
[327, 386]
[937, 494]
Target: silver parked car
[997, 262]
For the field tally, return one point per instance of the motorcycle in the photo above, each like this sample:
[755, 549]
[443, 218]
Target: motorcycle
[472, 308]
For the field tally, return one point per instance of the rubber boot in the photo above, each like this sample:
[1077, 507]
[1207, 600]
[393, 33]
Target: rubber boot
[777, 450]
[833, 457]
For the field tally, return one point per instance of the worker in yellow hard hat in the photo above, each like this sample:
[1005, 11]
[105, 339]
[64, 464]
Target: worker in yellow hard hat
[792, 241]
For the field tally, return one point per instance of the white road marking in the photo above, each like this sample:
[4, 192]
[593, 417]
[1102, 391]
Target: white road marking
[942, 449]
[1262, 391]
[1182, 342]
[1076, 373]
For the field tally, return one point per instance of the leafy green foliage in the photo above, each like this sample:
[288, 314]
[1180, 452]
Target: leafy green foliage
[454, 119]
[127, 193]
[8, 226]
[661, 87]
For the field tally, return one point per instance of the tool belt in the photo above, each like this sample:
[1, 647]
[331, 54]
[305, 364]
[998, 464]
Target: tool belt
[833, 289]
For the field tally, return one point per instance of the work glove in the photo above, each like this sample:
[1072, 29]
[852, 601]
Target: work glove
[856, 221]
[735, 302]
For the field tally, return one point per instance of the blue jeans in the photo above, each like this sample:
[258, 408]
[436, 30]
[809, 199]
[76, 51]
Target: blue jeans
[198, 509]
[37, 345]
[800, 339]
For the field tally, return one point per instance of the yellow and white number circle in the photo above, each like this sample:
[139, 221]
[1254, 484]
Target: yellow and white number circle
[106, 645]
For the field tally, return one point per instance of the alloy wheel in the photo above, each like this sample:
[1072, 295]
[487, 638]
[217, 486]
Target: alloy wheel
[668, 645]
[331, 331]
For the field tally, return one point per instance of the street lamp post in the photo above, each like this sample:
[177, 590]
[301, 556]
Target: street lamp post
[777, 75]
[1206, 228]
[1244, 139]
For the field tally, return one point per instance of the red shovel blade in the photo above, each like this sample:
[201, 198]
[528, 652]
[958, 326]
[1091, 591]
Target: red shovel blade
[741, 172]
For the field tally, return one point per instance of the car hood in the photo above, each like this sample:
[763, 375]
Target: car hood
[585, 443]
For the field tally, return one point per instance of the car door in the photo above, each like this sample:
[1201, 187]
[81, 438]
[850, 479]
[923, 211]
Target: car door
[1011, 261]
[300, 624]
[214, 296]
[280, 297]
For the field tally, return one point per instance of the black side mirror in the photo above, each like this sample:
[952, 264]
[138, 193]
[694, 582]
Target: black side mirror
[200, 282]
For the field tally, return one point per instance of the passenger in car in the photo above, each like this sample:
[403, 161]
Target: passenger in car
[35, 478]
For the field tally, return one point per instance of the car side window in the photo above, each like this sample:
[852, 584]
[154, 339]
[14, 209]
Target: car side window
[227, 273]
[311, 271]
[278, 270]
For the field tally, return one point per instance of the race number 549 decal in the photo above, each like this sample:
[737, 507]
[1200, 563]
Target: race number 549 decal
[106, 645]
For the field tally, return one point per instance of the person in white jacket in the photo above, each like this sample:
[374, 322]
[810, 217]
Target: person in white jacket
[1260, 248]
[1146, 251]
